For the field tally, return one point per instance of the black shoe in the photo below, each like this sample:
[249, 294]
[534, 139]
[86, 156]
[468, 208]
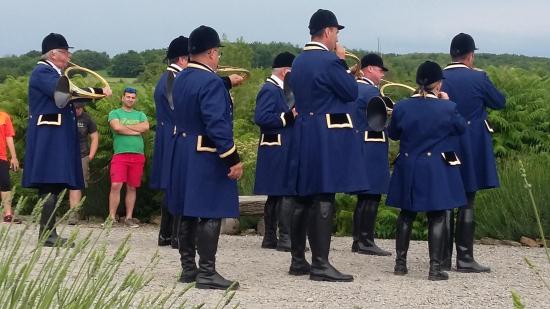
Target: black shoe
[58, 242]
[188, 277]
[328, 273]
[400, 269]
[437, 275]
[269, 245]
[354, 246]
[301, 269]
[215, 281]
[372, 249]
[164, 241]
[471, 267]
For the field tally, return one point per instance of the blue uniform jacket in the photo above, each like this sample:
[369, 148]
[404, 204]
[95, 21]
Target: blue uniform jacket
[326, 153]
[422, 179]
[164, 134]
[204, 148]
[473, 92]
[52, 151]
[375, 143]
[275, 120]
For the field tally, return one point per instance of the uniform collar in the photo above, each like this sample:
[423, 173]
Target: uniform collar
[276, 81]
[315, 46]
[456, 65]
[367, 81]
[174, 68]
[48, 62]
[201, 66]
[429, 95]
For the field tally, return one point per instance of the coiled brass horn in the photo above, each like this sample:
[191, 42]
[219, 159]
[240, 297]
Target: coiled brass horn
[389, 102]
[355, 68]
[225, 70]
[66, 90]
[380, 107]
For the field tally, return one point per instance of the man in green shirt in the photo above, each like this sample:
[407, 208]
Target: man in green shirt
[127, 125]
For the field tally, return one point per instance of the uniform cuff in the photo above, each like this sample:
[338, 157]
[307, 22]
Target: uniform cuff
[287, 118]
[231, 157]
[96, 90]
[227, 82]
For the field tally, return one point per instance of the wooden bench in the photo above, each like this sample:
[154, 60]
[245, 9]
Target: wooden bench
[252, 205]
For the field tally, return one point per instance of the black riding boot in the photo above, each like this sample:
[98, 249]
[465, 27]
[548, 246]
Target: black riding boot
[208, 234]
[165, 229]
[47, 222]
[465, 228]
[436, 244]
[285, 209]
[367, 224]
[402, 238]
[270, 223]
[187, 234]
[449, 240]
[320, 230]
[174, 240]
[298, 233]
[356, 222]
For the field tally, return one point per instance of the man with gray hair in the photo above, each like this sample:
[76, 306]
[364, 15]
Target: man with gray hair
[52, 156]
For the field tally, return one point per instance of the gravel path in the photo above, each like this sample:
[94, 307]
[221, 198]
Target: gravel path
[265, 283]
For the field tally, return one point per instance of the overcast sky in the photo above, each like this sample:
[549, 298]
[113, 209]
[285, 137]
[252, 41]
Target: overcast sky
[114, 26]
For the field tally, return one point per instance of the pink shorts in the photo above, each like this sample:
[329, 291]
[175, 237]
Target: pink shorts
[128, 168]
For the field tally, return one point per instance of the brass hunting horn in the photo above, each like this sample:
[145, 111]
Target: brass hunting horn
[224, 70]
[355, 68]
[389, 102]
[380, 107]
[66, 90]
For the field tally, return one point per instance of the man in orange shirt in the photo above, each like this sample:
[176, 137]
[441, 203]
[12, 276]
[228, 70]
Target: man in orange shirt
[6, 139]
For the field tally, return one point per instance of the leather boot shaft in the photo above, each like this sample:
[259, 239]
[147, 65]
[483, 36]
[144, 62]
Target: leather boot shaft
[319, 234]
[270, 223]
[437, 234]
[187, 235]
[285, 209]
[208, 234]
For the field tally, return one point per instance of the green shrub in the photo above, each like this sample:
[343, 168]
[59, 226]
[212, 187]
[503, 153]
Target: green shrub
[505, 213]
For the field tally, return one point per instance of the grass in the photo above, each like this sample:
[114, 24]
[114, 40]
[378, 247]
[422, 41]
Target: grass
[516, 299]
[86, 276]
[506, 213]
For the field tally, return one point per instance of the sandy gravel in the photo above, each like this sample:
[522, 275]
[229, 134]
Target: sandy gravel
[265, 283]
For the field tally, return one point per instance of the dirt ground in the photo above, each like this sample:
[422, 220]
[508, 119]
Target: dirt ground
[264, 281]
